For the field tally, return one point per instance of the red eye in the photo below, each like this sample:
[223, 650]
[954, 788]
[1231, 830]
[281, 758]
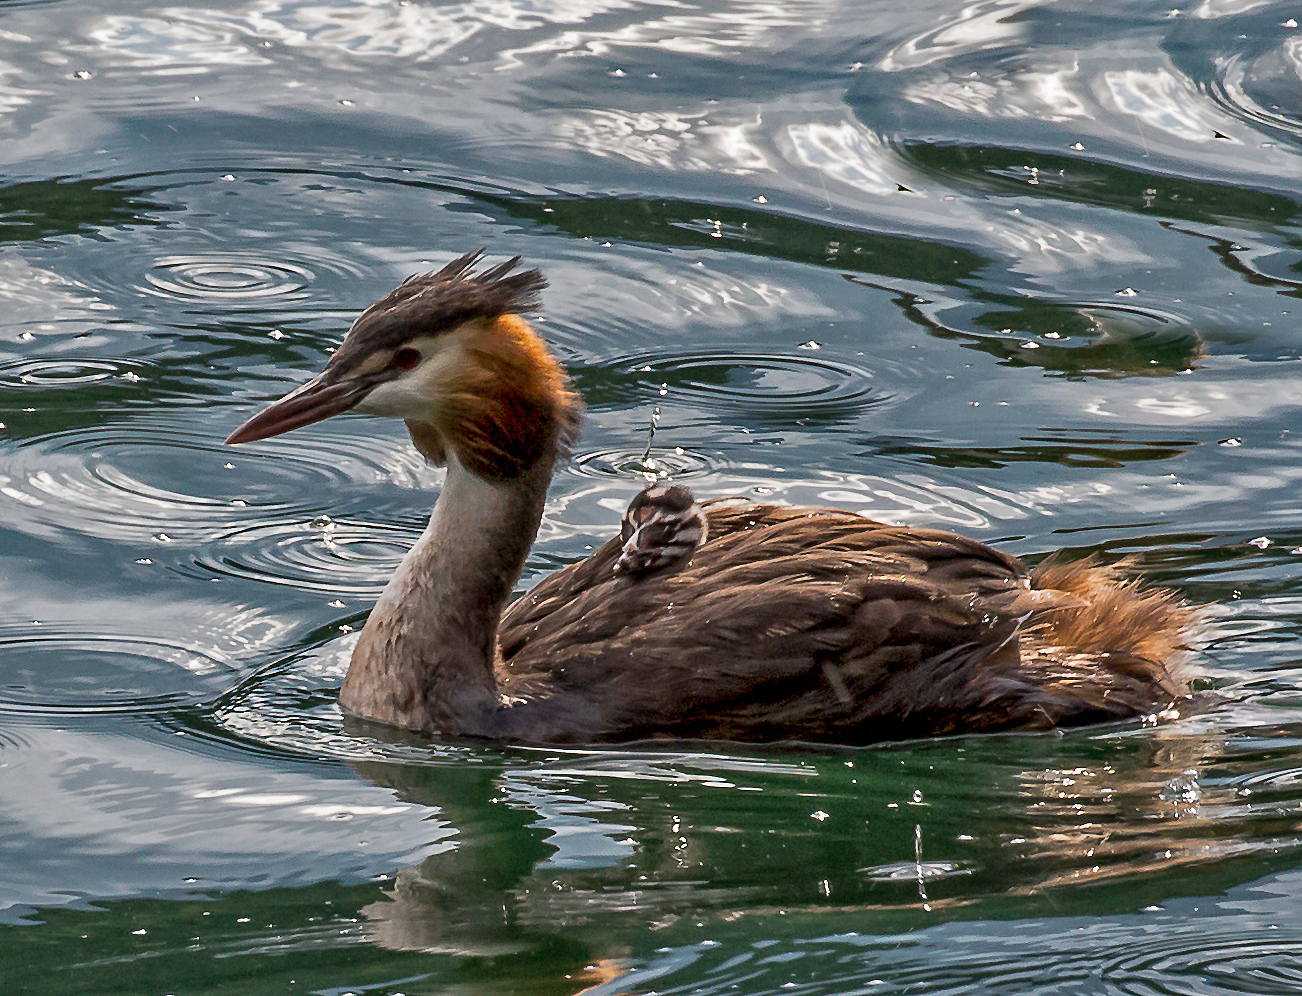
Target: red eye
[407, 358]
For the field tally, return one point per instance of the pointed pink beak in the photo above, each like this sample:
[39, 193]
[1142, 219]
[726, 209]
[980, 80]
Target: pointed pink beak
[314, 401]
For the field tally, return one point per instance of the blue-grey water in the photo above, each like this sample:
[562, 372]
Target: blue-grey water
[1024, 269]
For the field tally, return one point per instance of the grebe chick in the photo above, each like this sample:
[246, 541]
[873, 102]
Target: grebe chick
[663, 526]
[780, 623]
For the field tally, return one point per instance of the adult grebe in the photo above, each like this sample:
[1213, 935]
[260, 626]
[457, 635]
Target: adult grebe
[740, 621]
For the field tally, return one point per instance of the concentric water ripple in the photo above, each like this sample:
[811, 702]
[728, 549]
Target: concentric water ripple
[228, 277]
[660, 463]
[779, 388]
[12, 740]
[121, 481]
[113, 672]
[1150, 956]
[1247, 962]
[47, 372]
[344, 558]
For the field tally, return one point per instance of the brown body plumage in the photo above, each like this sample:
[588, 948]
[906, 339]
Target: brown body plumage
[744, 621]
[821, 625]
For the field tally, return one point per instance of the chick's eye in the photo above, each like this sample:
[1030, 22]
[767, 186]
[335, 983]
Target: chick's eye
[406, 358]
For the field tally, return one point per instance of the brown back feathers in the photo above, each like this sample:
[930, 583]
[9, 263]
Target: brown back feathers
[798, 623]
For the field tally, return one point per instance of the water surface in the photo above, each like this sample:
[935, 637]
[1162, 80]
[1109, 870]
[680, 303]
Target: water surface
[1028, 270]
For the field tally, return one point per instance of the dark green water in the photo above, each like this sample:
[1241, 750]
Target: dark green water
[1026, 270]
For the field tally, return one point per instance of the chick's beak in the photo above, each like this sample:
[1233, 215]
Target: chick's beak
[317, 399]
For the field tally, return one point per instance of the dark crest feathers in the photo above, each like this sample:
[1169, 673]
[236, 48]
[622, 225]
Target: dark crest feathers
[430, 303]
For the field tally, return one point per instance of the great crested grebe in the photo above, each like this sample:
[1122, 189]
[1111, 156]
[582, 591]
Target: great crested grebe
[733, 620]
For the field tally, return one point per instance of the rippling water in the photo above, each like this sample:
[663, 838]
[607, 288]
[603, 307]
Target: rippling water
[1026, 269]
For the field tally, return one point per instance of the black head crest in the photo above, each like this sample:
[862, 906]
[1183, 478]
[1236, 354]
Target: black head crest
[429, 304]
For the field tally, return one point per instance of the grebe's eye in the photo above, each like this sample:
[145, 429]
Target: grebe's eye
[407, 358]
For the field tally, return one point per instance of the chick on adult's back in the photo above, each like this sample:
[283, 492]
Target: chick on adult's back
[733, 620]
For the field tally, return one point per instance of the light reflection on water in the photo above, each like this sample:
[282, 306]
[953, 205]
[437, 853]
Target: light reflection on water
[1024, 270]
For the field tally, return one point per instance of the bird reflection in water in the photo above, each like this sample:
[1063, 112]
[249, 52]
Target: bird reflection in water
[723, 845]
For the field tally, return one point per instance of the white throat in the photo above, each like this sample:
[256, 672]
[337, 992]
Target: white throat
[426, 656]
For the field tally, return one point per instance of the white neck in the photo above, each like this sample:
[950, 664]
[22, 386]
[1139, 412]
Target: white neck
[425, 658]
